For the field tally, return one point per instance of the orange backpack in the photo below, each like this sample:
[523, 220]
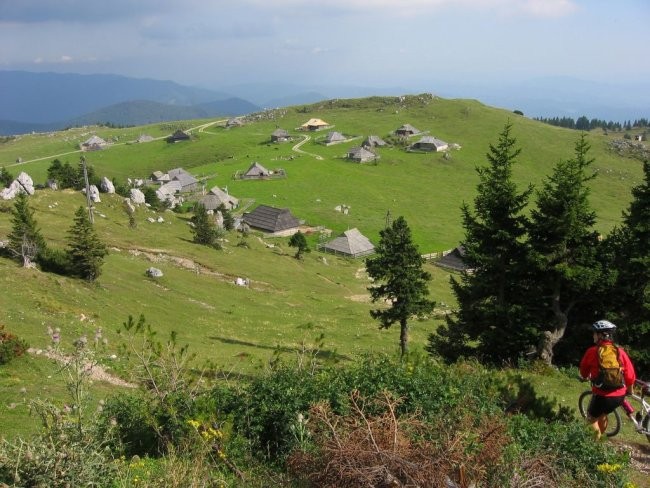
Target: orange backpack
[610, 375]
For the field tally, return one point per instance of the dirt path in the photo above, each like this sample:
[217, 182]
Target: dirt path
[297, 149]
[97, 372]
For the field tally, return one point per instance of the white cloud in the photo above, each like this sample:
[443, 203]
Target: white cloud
[549, 8]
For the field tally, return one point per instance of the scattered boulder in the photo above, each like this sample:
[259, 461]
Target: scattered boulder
[129, 206]
[154, 272]
[22, 184]
[94, 194]
[137, 196]
[52, 185]
[106, 185]
[160, 220]
[218, 219]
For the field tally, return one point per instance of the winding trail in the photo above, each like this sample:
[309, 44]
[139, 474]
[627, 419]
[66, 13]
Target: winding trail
[297, 149]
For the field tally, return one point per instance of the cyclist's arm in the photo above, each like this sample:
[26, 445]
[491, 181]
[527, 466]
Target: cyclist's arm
[587, 363]
[629, 374]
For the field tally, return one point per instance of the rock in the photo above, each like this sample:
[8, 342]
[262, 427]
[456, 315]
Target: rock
[137, 196]
[151, 220]
[160, 220]
[129, 206]
[94, 194]
[154, 272]
[22, 184]
[52, 185]
[106, 185]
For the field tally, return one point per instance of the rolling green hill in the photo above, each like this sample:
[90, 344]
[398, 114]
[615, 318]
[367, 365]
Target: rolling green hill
[289, 303]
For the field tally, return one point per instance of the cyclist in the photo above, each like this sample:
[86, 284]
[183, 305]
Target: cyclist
[604, 402]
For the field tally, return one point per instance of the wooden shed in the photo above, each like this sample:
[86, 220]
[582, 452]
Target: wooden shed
[407, 130]
[430, 143]
[361, 155]
[351, 243]
[280, 135]
[276, 221]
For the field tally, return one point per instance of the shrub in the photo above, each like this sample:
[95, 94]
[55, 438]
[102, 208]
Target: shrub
[359, 449]
[54, 260]
[10, 346]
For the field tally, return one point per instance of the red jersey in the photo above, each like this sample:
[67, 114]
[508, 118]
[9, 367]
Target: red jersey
[589, 369]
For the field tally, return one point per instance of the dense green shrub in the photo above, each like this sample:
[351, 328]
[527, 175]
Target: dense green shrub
[10, 346]
[463, 398]
[54, 260]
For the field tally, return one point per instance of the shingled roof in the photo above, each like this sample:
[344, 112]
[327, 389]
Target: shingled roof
[271, 219]
[215, 197]
[351, 243]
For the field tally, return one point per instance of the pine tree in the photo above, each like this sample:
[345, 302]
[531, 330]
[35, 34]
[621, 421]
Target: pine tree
[228, 219]
[205, 230]
[493, 321]
[629, 254]
[25, 239]
[85, 251]
[298, 241]
[5, 178]
[564, 245]
[401, 281]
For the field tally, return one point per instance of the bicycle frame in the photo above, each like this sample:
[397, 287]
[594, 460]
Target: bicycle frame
[643, 414]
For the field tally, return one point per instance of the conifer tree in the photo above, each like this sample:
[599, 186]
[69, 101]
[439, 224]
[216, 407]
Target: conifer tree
[564, 245]
[629, 255]
[25, 239]
[228, 219]
[401, 281]
[85, 251]
[493, 321]
[205, 230]
[5, 177]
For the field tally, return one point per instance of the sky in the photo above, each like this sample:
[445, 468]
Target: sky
[407, 43]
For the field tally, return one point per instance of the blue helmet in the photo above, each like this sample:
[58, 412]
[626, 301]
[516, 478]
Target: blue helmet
[603, 326]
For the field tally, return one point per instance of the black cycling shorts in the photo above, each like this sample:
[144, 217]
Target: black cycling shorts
[601, 405]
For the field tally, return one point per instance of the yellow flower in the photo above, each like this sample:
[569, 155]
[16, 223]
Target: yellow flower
[608, 468]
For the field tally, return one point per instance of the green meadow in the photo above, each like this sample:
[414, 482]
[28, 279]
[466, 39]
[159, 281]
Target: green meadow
[290, 306]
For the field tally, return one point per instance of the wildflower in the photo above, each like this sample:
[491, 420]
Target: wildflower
[608, 468]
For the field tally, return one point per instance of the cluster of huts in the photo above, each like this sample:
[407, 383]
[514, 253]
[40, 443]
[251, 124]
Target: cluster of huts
[273, 221]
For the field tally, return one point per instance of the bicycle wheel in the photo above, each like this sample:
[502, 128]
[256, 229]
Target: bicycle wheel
[613, 419]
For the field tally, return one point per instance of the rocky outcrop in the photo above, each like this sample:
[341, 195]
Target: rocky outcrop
[106, 185]
[22, 184]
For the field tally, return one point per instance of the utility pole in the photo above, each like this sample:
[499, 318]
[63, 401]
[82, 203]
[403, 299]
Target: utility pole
[90, 206]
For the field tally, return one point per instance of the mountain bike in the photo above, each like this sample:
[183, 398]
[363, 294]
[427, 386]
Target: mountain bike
[641, 397]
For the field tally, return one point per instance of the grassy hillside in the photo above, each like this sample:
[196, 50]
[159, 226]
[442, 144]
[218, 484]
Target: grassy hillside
[427, 189]
[289, 303]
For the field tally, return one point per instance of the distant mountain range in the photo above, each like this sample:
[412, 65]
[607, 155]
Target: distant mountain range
[51, 101]
[41, 102]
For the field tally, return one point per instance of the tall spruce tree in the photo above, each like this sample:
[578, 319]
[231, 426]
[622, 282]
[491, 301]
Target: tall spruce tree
[493, 320]
[629, 298]
[205, 230]
[85, 250]
[564, 245]
[25, 239]
[400, 280]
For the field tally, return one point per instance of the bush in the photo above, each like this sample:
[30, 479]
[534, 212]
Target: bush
[10, 346]
[53, 260]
